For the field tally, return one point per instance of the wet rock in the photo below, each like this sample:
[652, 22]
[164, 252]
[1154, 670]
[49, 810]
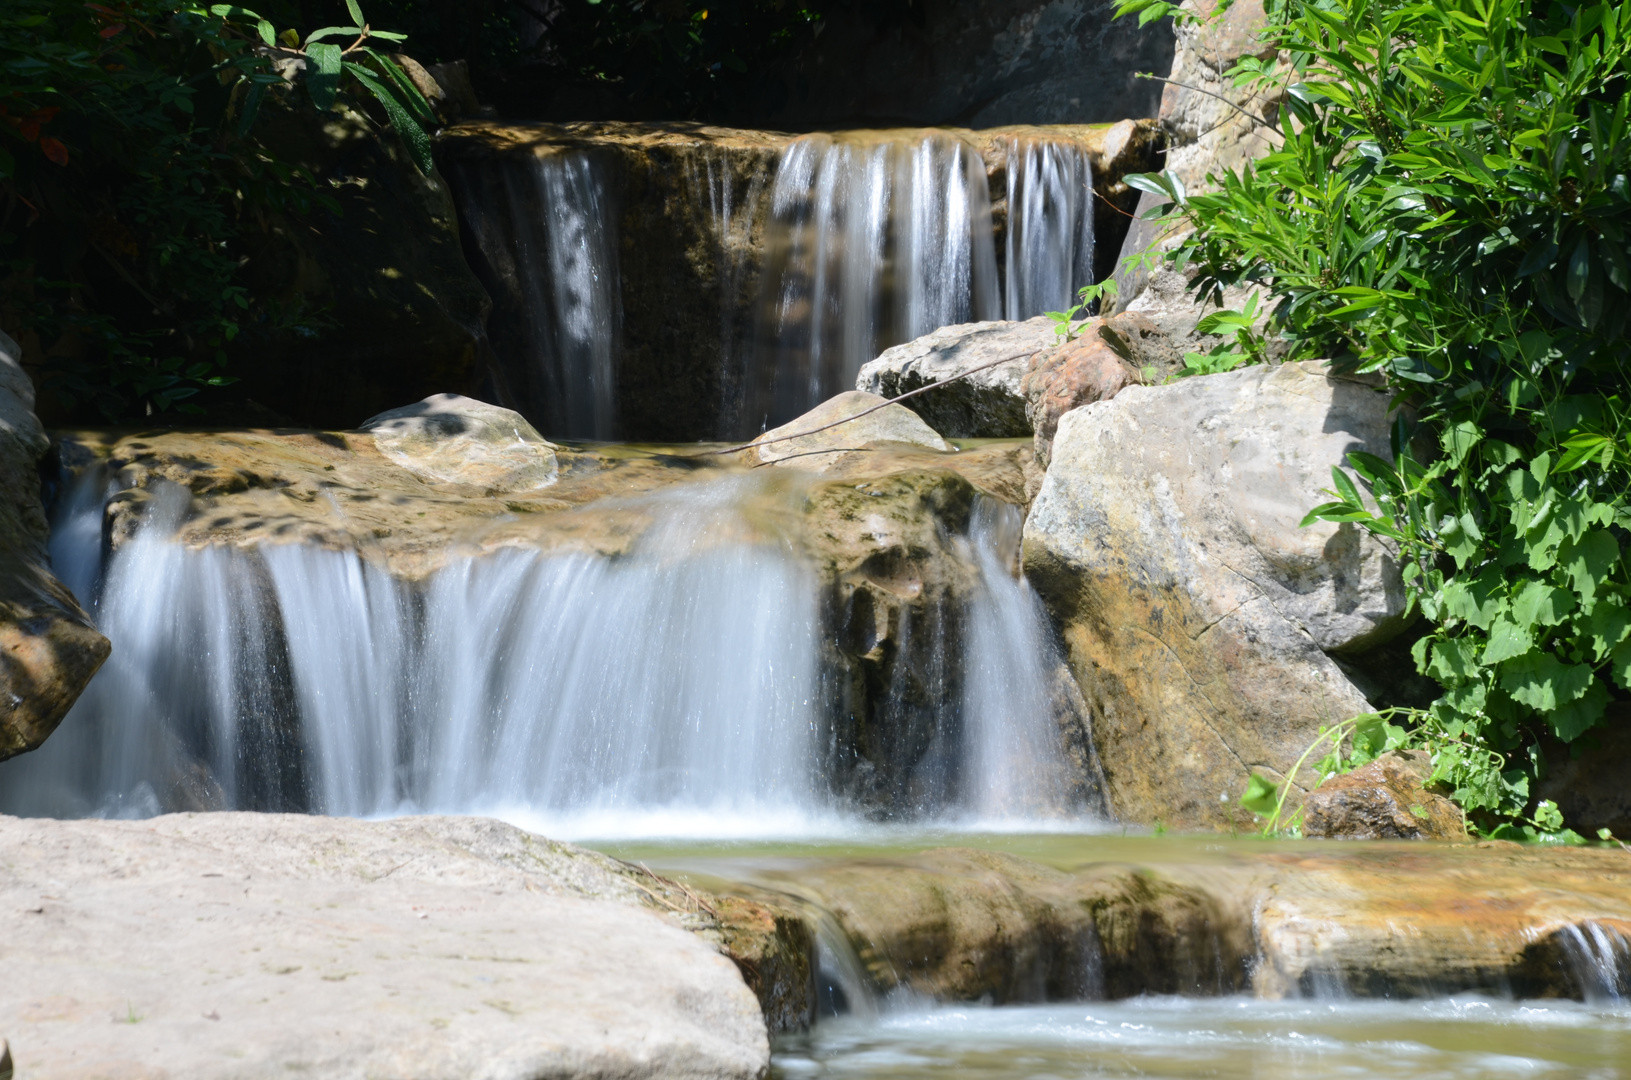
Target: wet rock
[833, 432]
[988, 404]
[1385, 800]
[451, 439]
[250, 945]
[48, 647]
[773, 945]
[1196, 611]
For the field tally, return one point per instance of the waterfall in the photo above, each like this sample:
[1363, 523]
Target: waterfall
[870, 241]
[676, 688]
[1009, 731]
[1049, 245]
[545, 241]
[1598, 959]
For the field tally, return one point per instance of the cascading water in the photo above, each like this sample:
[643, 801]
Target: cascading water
[869, 242]
[545, 232]
[673, 689]
[1049, 245]
[751, 275]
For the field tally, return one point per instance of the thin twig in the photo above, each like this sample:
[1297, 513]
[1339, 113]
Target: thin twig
[882, 404]
[1186, 86]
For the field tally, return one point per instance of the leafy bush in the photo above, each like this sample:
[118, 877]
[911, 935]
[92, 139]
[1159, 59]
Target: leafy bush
[1449, 208]
[129, 171]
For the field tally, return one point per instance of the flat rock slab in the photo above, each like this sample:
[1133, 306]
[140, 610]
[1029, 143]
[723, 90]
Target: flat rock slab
[248, 945]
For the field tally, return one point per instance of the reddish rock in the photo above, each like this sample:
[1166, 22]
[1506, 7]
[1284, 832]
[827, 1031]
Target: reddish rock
[1107, 356]
[1385, 800]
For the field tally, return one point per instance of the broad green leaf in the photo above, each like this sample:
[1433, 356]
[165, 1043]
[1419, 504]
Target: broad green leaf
[1477, 600]
[1610, 624]
[1507, 639]
[323, 80]
[1543, 682]
[408, 130]
[1589, 561]
[1454, 661]
[1539, 604]
[1574, 718]
[1619, 664]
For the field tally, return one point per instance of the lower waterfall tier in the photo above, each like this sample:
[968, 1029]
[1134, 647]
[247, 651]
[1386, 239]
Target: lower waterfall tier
[690, 650]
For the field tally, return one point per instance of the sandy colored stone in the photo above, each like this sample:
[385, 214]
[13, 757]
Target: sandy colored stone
[1384, 800]
[454, 439]
[49, 648]
[1196, 611]
[852, 420]
[248, 945]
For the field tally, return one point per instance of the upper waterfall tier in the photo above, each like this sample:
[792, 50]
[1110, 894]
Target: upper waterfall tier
[677, 281]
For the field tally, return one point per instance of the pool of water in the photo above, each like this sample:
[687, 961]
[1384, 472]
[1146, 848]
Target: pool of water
[1231, 1038]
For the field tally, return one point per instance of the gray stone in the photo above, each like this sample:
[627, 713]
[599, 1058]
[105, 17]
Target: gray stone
[825, 446]
[48, 648]
[248, 945]
[986, 405]
[451, 439]
[1197, 612]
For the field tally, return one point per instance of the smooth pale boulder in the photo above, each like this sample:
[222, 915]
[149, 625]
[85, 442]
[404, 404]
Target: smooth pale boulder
[48, 647]
[846, 422]
[453, 439]
[1197, 613]
[247, 945]
[988, 404]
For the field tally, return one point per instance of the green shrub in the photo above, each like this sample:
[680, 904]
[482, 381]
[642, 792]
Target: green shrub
[130, 173]
[1450, 207]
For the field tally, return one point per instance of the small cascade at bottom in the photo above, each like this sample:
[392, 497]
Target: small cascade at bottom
[674, 689]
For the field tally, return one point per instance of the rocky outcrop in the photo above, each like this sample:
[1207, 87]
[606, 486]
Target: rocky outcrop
[48, 647]
[1384, 800]
[1109, 918]
[250, 945]
[665, 240]
[452, 439]
[1212, 126]
[1197, 613]
[987, 404]
[1108, 355]
[883, 528]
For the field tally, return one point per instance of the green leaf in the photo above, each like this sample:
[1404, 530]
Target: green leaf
[1610, 624]
[1539, 604]
[323, 80]
[355, 12]
[1619, 664]
[332, 31]
[1262, 797]
[1454, 661]
[1543, 682]
[408, 130]
[1477, 601]
[1589, 561]
[1507, 639]
[1574, 718]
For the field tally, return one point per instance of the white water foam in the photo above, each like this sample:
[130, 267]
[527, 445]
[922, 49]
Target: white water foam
[672, 691]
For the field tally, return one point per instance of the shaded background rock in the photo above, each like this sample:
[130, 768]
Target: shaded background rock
[1197, 613]
[49, 648]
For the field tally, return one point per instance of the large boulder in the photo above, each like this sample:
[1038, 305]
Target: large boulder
[48, 647]
[250, 945]
[988, 404]
[1198, 614]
